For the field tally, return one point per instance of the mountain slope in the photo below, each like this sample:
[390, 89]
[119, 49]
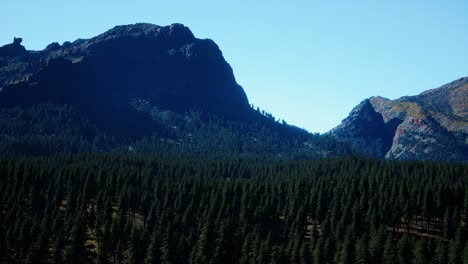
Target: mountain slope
[136, 87]
[431, 125]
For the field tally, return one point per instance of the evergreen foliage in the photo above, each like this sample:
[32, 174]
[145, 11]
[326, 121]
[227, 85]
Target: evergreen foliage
[127, 208]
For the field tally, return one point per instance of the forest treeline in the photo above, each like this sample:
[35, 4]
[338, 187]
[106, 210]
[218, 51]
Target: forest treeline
[47, 129]
[124, 208]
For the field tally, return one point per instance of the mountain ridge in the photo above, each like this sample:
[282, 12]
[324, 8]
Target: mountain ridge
[430, 125]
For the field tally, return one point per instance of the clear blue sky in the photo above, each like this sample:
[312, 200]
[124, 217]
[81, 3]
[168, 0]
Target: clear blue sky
[308, 62]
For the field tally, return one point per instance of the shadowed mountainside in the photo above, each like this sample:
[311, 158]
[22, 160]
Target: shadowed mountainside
[166, 66]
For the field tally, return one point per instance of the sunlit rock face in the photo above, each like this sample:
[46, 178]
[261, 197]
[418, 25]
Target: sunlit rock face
[432, 125]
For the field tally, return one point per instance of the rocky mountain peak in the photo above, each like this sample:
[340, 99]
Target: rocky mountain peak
[366, 127]
[177, 34]
[431, 125]
[165, 66]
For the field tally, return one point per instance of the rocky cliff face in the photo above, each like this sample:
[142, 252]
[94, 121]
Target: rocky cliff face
[432, 125]
[365, 130]
[165, 67]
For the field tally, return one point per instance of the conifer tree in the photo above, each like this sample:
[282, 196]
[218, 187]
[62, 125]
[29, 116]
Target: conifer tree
[319, 255]
[57, 256]
[201, 251]
[152, 253]
[130, 254]
[245, 251]
[376, 246]
[405, 250]
[456, 247]
[75, 251]
[166, 250]
[390, 254]
[440, 255]
[465, 205]
[362, 255]
[447, 225]
[347, 250]
[465, 254]
[419, 252]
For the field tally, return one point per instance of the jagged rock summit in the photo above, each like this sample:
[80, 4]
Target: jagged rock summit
[432, 125]
[13, 49]
[166, 67]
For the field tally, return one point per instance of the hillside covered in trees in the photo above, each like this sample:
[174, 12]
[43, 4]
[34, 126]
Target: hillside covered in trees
[113, 208]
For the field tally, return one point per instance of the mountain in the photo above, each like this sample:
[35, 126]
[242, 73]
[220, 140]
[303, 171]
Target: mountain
[139, 87]
[432, 125]
[166, 66]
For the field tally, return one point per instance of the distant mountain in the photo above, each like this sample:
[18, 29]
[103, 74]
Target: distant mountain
[432, 125]
[137, 87]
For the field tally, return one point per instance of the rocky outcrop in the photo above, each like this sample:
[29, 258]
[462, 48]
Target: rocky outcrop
[13, 49]
[432, 125]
